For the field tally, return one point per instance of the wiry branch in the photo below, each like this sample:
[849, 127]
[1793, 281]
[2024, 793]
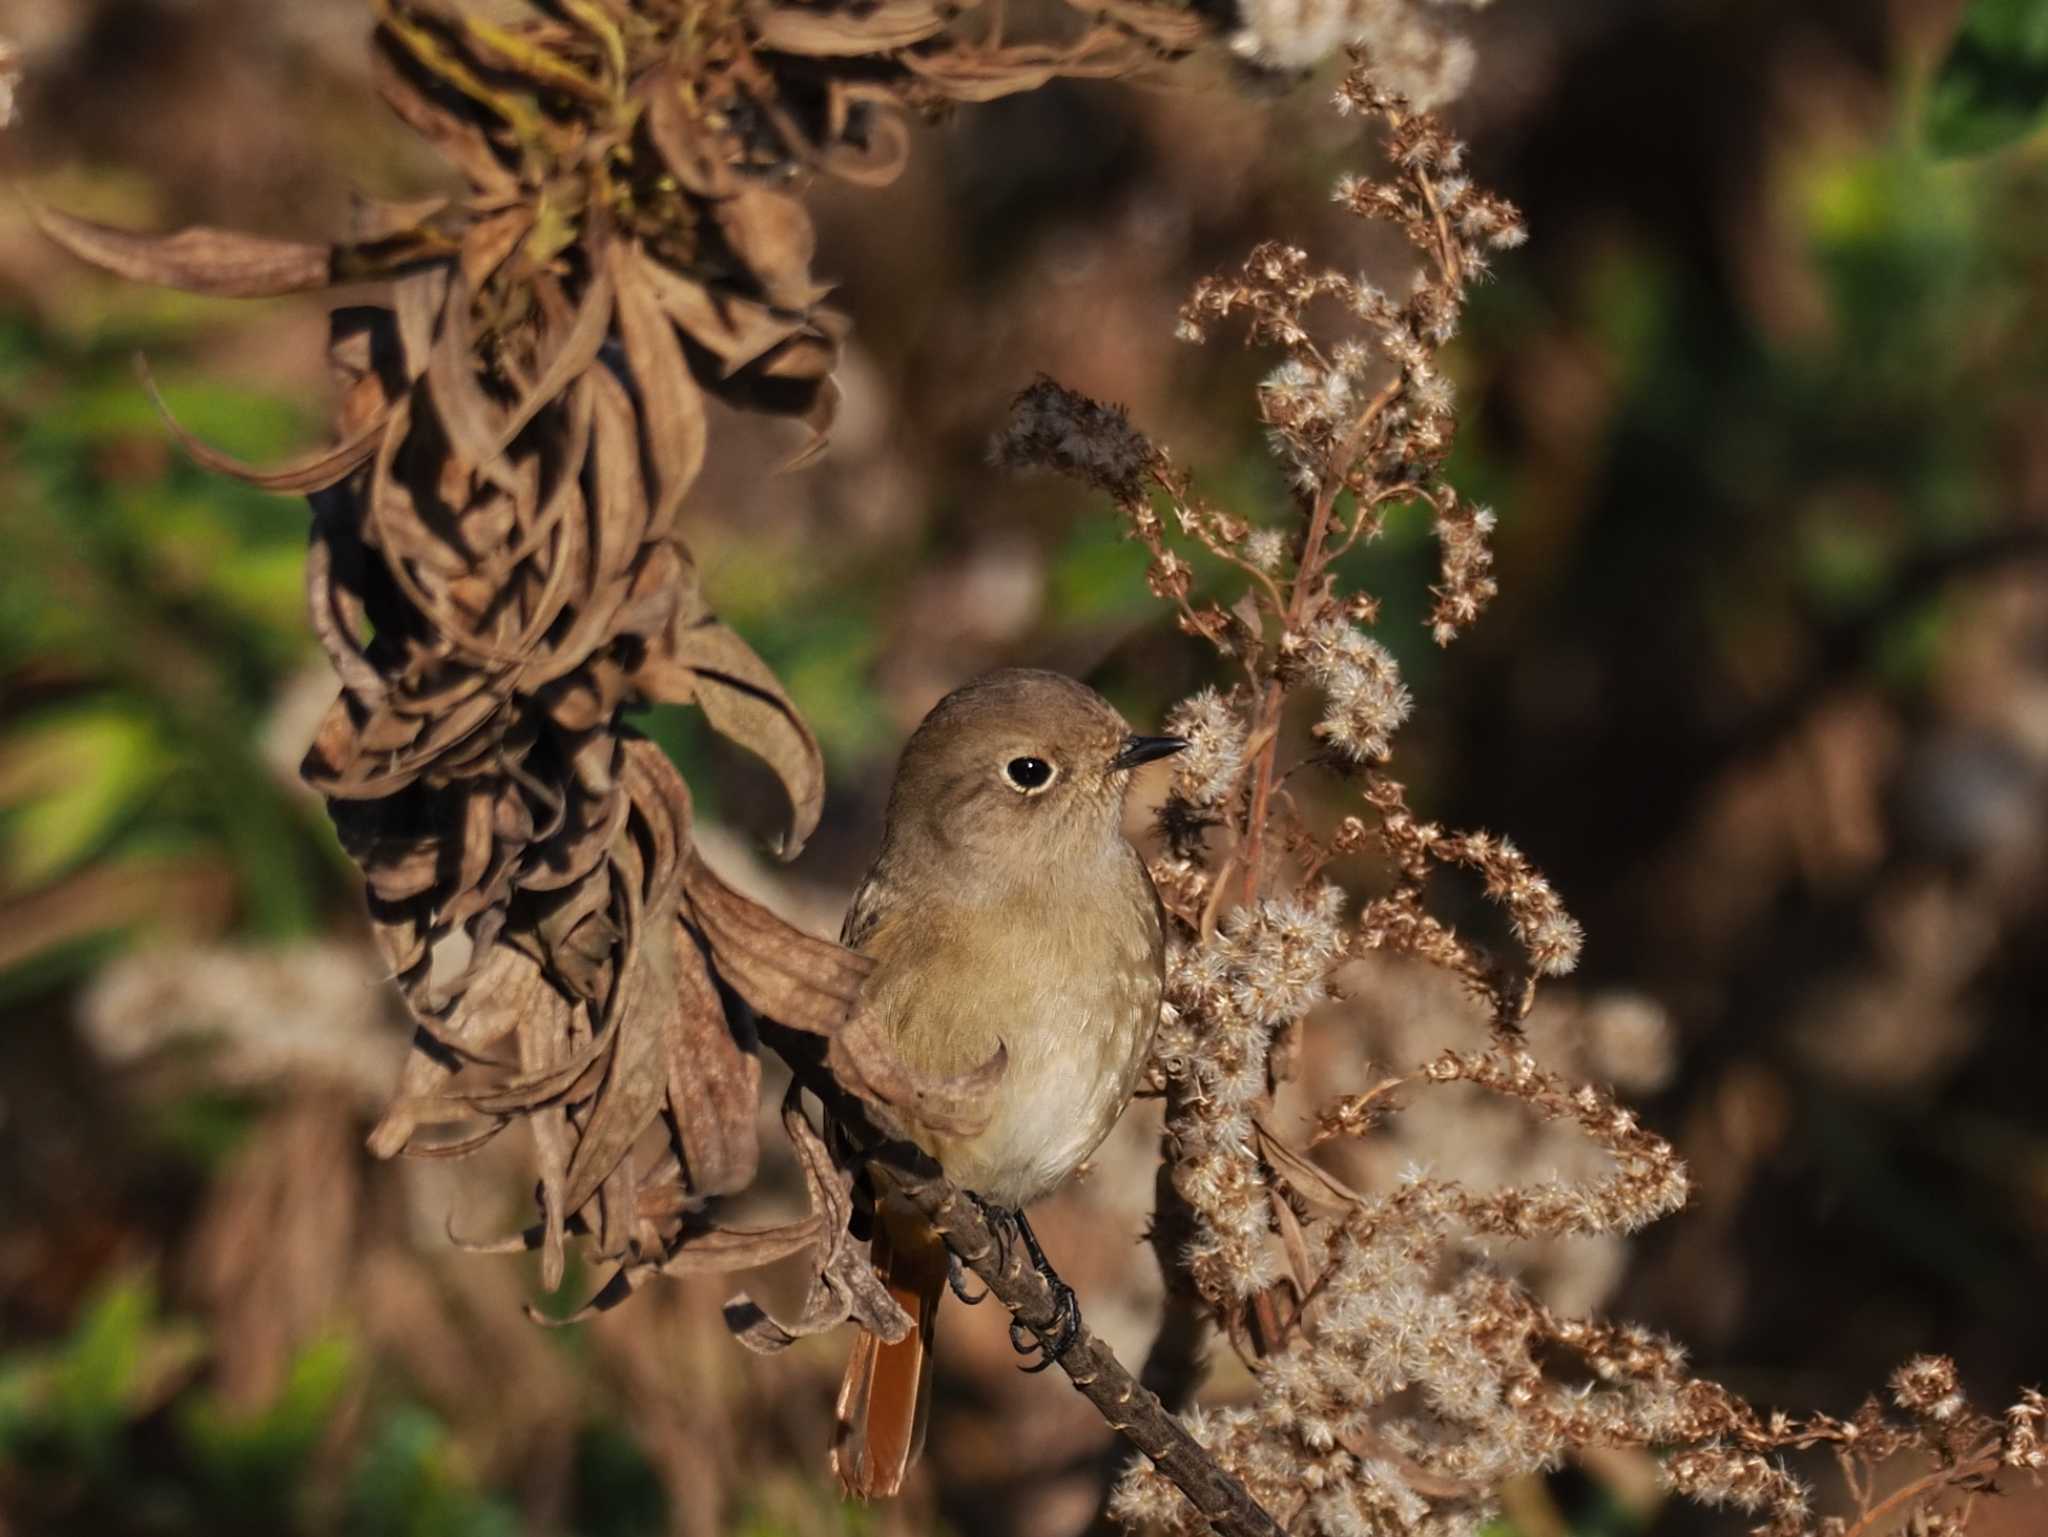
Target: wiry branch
[1127, 1406]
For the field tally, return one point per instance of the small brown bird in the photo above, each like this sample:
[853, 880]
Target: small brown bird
[1006, 910]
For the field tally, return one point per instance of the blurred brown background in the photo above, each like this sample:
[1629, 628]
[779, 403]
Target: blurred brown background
[1763, 411]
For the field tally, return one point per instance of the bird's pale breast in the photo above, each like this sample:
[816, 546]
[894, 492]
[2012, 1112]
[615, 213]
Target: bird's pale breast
[1066, 978]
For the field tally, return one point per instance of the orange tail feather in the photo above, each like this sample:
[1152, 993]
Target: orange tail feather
[885, 1397]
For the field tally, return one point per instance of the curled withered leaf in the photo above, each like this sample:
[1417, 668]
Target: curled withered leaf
[313, 472]
[576, 352]
[783, 974]
[431, 38]
[523, 54]
[865, 1060]
[699, 659]
[793, 378]
[709, 1074]
[697, 158]
[714, 1081]
[843, 31]
[700, 1251]
[376, 218]
[512, 991]
[416, 303]
[771, 234]
[635, 1082]
[1321, 1191]
[867, 139]
[1172, 28]
[554, 1079]
[735, 330]
[844, 1284]
[199, 260]
[473, 422]
[491, 240]
[671, 406]
[459, 141]
[725, 1249]
[965, 75]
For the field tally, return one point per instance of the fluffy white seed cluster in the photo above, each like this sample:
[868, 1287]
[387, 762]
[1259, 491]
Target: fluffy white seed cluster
[2026, 1431]
[1214, 759]
[1267, 968]
[1928, 1386]
[1365, 701]
[1550, 935]
[1648, 1180]
[1466, 583]
[1406, 1400]
[1308, 407]
[1410, 50]
[1266, 549]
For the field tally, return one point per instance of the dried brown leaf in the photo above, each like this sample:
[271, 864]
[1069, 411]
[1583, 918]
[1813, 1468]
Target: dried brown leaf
[577, 351]
[312, 472]
[844, 1285]
[698, 159]
[490, 240]
[771, 233]
[671, 406]
[472, 421]
[733, 329]
[636, 1080]
[699, 659]
[459, 141]
[843, 32]
[783, 974]
[865, 1060]
[511, 990]
[723, 1249]
[1321, 1190]
[416, 303]
[376, 218]
[714, 1085]
[1172, 27]
[869, 140]
[198, 260]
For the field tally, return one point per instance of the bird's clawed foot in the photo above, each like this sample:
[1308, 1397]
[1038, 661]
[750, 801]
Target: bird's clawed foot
[1066, 1325]
[1066, 1314]
[956, 1279]
[1009, 1227]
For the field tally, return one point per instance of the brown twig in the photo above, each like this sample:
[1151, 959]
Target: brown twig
[1126, 1405]
[1129, 1408]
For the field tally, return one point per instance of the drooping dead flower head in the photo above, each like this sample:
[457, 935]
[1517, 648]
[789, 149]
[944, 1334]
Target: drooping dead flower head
[498, 565]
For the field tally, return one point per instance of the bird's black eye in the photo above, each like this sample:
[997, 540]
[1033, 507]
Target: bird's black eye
[1028, 774]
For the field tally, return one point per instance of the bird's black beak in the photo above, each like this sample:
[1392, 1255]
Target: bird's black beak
[1143, 749]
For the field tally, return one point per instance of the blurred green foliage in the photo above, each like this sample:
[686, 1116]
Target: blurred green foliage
[109, 1429]
[1993, 87]
[149, 614]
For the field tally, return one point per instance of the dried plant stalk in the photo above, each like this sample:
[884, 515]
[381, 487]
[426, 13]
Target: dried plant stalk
[1401, 1380]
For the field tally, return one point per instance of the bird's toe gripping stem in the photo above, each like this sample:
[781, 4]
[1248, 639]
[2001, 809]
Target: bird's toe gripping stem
[1008, 1227]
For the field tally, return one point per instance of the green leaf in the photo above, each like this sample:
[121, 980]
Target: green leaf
[119, 1364]
[68, 781]
[1993, 87]
[256, 1460]
[413, 1481]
